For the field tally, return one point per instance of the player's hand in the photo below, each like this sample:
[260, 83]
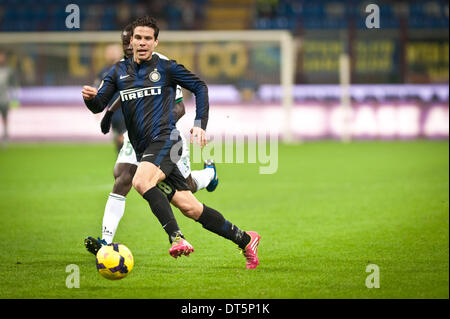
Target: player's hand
[105, 124]
[199, 135]
[88, 92]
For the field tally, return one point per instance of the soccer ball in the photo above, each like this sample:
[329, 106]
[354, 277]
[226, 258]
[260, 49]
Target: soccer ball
[114, 261]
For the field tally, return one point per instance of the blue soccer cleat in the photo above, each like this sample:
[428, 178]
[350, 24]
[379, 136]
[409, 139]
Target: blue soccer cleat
[93, 245]
[215, 181]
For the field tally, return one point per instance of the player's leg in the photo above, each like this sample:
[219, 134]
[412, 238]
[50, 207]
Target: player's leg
[191, 183]
[123, 178]
[115, 205]
[145, 181]
[210, 219]
[155, 165]
[4, 115]
[198, 179]
[124, 171]
[214, 221]
[147, 176]
[206, 178]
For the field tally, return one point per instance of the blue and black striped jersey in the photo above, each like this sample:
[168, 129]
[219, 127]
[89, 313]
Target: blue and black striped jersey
[147, 92]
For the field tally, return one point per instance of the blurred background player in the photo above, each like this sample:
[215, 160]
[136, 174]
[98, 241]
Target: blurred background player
[113, 53]
[126, 165]
[7, 83]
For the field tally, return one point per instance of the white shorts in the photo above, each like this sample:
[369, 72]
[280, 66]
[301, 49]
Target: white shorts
[127, 155]
[184, 163]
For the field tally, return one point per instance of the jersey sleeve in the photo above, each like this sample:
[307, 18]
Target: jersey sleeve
[105, 93]
[188, 80]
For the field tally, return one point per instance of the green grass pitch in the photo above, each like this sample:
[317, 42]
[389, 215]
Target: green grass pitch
[329, 211]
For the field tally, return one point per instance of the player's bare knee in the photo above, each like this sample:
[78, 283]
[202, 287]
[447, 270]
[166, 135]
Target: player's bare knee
[147, 176]
[136, 183]
[141, 185]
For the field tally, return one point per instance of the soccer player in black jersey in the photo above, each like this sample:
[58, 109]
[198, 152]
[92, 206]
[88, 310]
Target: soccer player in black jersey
[126, 165]
[147, 86]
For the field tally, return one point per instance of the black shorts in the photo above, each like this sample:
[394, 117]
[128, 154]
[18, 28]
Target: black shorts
[174, 182]
[165, 154]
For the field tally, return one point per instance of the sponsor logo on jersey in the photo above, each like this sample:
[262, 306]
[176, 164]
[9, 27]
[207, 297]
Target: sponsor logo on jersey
[154, 76]
[133, 94]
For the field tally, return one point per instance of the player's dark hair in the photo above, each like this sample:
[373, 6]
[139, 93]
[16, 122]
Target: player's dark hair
[127, 33]
[128, 28]
[146, 21]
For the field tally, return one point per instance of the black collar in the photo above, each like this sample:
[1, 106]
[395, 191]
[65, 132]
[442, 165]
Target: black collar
[149, 63]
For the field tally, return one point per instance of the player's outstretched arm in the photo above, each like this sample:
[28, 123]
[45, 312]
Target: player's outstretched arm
[97, 100]
[185, 78]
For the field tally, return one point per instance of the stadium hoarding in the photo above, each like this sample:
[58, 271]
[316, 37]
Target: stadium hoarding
[268, 93]
[309, 120]
[377, 112]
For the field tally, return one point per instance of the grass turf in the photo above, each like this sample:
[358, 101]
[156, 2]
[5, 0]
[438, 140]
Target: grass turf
[329, 211]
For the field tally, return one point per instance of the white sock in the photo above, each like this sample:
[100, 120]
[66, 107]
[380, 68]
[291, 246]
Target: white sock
[203, 178]
[114, 209]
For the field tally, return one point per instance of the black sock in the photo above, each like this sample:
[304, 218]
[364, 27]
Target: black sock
[160, 207]
[213, 221]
